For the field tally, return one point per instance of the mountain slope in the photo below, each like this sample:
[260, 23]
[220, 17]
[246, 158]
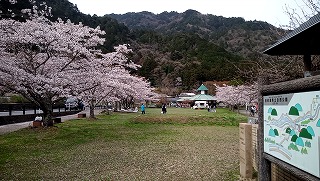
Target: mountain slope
[177, 51]
[246, 38]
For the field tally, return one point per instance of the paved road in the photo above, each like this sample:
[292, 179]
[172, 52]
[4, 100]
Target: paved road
[14, 127]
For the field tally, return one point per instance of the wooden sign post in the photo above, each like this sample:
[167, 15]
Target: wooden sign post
[245, 150]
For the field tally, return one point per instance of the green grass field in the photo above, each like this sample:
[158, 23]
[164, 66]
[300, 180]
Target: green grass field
[184, 144]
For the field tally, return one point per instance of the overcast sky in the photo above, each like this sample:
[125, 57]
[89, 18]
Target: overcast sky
[271, 11]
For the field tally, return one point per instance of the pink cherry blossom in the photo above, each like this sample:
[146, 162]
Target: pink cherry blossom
[44, 61]
[237, 95]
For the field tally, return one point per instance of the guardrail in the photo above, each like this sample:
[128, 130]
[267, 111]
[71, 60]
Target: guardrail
[22, 112]
[30, 117]
[25, 108]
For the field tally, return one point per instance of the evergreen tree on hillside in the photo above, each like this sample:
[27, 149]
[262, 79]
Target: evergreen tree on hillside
[165, 59]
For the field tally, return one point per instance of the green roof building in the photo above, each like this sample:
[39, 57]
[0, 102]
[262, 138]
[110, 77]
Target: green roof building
[203, 100]
[203, 89]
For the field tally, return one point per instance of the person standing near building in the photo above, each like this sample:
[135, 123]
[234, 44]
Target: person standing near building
[143, 109]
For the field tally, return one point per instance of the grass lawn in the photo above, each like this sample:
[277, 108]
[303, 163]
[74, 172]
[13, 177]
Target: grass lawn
[184, 144]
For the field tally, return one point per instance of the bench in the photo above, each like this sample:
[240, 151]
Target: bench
[82, 115]
[56, 120]
[37, 124]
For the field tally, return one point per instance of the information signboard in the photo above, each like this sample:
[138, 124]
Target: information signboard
[292, 129]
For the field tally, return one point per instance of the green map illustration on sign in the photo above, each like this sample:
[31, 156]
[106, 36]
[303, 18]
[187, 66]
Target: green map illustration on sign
[292, 129]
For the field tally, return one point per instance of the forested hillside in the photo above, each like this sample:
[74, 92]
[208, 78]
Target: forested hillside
[245, 38]
[179, 61]
[192, 47]
[176, 51]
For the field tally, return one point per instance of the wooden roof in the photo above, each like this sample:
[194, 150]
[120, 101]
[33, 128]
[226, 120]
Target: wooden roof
[304, 40]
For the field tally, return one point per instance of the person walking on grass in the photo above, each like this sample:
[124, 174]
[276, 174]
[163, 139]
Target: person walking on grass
[143, 109]
[164, 109]
[214, 107]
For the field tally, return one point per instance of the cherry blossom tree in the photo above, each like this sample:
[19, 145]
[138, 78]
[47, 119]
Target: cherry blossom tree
[138, 89]
[40, 59]
[114, 86]
[44, 60]
[107, 79]
[235, 96]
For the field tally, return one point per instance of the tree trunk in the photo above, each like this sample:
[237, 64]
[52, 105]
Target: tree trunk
[44, 103]
[47, 114]
[91, 106]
